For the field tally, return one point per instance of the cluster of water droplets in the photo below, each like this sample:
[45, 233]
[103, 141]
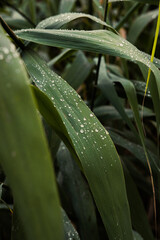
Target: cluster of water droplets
[7, 53]
[61, 19]
[84, 129]
[70, 232]
[95, 41]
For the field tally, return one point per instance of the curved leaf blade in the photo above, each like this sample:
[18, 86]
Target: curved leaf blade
[108, 90]
[60, 20]
[91, 143]
[99, 41]
[139, 24]
[66, 6]
[142, 1]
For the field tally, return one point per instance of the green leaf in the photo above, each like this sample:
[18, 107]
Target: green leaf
[5, 222]
[136, 150]
[142, 1]
[75, 187]
[128, 15]
[66, 6]
[132, 98]
[138, 214]
[140, 88]
[137, 236]
[17, 23]
[139, 24]
[18, 228]
[63, 55]
[1, 190]
[53, 139]
[24, 153]
[79, 70]
[108, 90]
[32, 8]
[109, 113]
[99, 41]
[52, 6]
[69, 230]
[90, 142]
[98, 7]
[60, 20]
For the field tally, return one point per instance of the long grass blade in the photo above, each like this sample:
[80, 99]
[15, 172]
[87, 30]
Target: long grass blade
[99, 41]
[88, 140]
[24, 154]
[153, 50]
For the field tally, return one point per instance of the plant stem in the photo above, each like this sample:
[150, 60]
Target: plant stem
[11, 33]
[99, 62]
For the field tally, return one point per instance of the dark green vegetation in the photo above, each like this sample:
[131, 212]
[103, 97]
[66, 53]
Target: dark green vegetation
[68, 172]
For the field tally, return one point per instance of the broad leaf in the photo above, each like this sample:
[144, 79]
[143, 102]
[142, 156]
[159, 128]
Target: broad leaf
[83, 133]
[24, 153]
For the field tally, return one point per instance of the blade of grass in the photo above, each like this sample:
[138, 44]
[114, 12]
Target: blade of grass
[153, 49]
[131, 94]
[66, 6]
[127, 15]
[79, 70]
[99, 41]
[58, 21]
[78, 126]
[106, 8]
[153, 53]
[108, 90]
[138, 214]
[24, 153]
[142, 1]
[77, 190]
[139, 24]
[32, 8]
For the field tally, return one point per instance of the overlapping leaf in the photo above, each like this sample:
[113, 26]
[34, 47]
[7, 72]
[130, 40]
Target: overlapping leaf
[66, 6]
[24, 153]
[75, 187]
[108, 90]
[79, 70]
[83, 133]
[142, 1]
[139, 24]
[60, 20]
[136, 150]
[99, 41]
[138, 214]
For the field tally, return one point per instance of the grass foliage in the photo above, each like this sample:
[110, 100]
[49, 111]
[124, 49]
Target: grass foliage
[79, 126]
